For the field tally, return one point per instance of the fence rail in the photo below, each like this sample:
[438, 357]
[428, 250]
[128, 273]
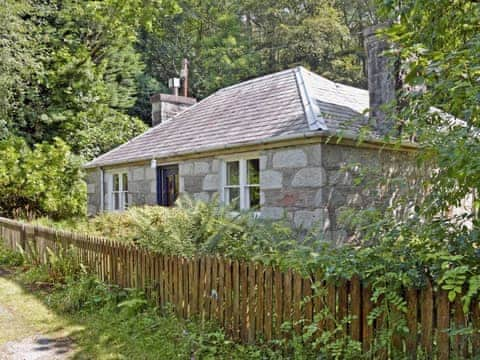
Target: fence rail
[252, 301]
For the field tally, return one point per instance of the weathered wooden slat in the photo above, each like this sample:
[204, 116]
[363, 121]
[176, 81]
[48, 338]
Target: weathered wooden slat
[221, 291]
[201, 289]
[243, 301]
[475, 314]
[460, 345]
[367, 307]
[228, 297]
[168, 275]
[190, 287]
[158, 284]
[297, 303]
[412, 322]
[236, 299]
[443, 324]
[176, 284]
[356, 308]
[426, 310]
[268, 312]
[214, 292]
[260, 306]
[319, 302]
[307, 300]
[251, 302]
[342, 306]
[331, 305]
[186, 292]
[196, 280]
[278, 298]
[180, 298]
[208, 286]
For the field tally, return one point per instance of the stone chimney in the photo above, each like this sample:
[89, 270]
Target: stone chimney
[166, 106]
[382, 78]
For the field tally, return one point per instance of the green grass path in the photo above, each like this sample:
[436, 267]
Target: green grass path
[24, 319]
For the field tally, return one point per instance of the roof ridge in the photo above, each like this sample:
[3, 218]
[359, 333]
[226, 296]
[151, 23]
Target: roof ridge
[315, 122]
[255, 79]
[332, 81]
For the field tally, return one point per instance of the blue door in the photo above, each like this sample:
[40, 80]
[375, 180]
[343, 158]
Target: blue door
[167, 185]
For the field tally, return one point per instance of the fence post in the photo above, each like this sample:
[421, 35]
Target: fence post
[23, 236]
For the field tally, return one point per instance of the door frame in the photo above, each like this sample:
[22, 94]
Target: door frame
[162, 172]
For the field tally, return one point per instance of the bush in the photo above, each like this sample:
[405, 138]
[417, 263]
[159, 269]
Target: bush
[43, 181]
[9, 257]
[195, 228]
[59, 268]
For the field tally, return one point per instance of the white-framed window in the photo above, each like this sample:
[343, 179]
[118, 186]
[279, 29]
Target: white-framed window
[241, 183]
[119, 191]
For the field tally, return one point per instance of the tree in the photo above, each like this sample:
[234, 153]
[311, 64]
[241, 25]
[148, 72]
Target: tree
[228, 42]
[87, 69]
[44, 181]
[435, 220]
[442, 105]
[20, 65]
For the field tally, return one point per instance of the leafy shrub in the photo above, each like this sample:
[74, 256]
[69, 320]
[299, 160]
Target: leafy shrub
[59, 268]
[193, 228]
[9, 257]
[43, 181]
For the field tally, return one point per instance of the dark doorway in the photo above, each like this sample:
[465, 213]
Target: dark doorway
[167, 185]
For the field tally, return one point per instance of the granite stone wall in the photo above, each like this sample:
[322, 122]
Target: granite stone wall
[200, 179]
[360, 178]
[310, 184]
[313, 184]
[291, 180]
[142, 187]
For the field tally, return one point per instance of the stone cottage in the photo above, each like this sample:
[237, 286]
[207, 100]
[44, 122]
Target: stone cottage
[277, 144]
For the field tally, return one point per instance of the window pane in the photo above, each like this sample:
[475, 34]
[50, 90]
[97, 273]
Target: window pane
[125, 200]
[116, 201]
[116, 183]
[125, 182]
[253, 170]
[233, 198]
[253, 197]
[233, 173]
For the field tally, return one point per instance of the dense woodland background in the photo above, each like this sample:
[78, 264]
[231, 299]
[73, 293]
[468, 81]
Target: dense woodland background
[76, 76]
[83, 71]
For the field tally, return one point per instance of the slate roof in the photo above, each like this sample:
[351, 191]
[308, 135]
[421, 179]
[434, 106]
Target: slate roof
[286, 103]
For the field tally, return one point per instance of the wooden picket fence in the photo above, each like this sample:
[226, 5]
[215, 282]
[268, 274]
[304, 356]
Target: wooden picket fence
[252, 301]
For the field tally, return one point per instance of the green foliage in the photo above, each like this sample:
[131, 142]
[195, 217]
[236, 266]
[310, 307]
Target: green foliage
[46, 180]
[227, 42]
[441, 110]
[9, 257]
[196, 228]
[57, 268]
[84, 71]
[74, 74]
[123, 323]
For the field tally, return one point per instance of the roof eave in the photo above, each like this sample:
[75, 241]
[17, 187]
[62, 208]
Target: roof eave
[339, 137]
